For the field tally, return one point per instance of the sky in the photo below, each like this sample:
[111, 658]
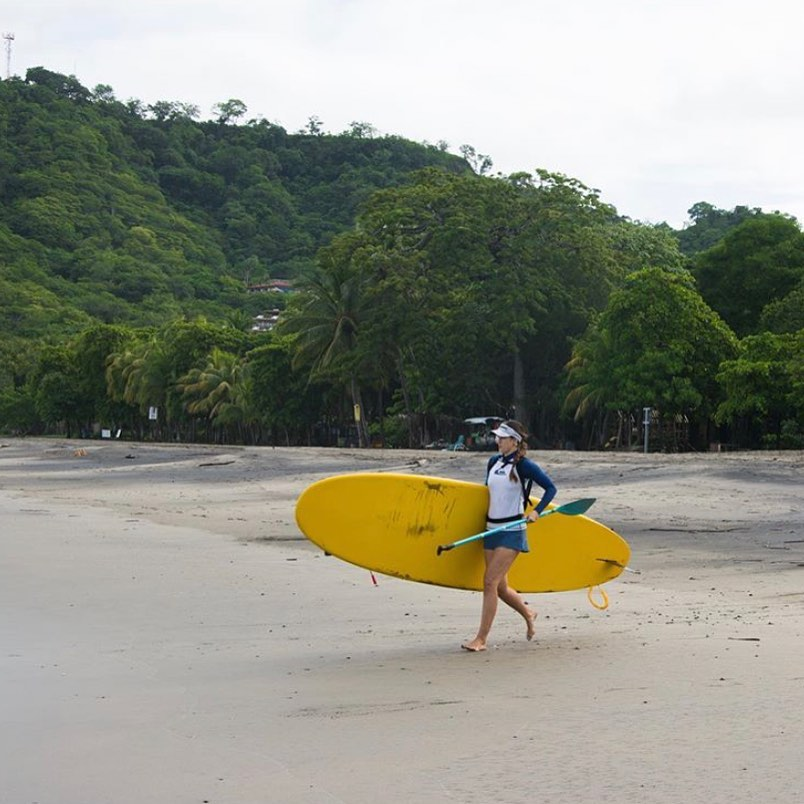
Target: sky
[656, 104]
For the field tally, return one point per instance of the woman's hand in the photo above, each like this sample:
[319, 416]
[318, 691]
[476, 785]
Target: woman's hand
[532, 516]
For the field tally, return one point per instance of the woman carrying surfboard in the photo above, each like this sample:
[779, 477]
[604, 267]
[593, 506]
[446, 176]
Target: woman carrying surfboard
[509, 477]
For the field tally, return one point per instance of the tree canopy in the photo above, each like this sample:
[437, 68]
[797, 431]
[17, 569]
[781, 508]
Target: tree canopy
[657, 344]
[425, 290]
[757, 264]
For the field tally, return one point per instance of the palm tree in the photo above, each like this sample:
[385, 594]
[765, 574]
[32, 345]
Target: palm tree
[140, 375]
[221, 390]
[325, 322]
[590, 382]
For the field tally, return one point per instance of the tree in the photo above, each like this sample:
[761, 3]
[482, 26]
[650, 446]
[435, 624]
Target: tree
[785, 314]
[230, 111]
[463, 270]
[656, 344]
[361, 130]
[221, 391]
[325, 320]
[480, 163]
[53, 386]
[66, 86]
[284, 398]
[709, 225]
[140, 374]
[759, 388]
[90, 351]
[163, 110]
[438, 267]
[757, 263]
[18, 411]
[146, 371]
[103, 93]
[314, 127]
[591, 383]
[18, 358]
[797, 377]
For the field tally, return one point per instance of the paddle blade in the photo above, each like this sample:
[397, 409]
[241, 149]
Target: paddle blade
[575, 507]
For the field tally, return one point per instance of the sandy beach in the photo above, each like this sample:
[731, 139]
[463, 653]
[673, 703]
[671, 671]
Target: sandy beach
[168, 636]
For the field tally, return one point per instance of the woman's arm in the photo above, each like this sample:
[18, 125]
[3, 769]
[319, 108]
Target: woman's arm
[532, 471]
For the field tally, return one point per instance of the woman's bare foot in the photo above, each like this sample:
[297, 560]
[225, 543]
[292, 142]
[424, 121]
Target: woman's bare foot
[475, 646]
[530, 618]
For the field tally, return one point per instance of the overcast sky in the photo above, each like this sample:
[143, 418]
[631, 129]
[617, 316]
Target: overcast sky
[657, 104]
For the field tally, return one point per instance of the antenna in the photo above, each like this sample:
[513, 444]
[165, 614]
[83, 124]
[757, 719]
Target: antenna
[9, 37]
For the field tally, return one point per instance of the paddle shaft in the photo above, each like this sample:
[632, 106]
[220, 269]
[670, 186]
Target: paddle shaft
[570, 509]
[445, 547]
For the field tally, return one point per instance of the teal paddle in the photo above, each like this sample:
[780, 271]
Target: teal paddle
[570, 509]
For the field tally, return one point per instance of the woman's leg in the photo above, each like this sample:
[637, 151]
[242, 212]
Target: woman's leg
[515, 601]
[498, 562]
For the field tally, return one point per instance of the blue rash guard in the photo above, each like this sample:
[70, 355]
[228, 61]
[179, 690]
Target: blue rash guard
[507, 499]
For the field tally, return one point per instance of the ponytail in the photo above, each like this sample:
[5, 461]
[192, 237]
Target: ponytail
[521, 447]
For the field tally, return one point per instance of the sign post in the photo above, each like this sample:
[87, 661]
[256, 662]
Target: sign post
[646, 424]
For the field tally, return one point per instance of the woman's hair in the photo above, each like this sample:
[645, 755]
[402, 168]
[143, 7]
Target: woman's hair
[521, 447]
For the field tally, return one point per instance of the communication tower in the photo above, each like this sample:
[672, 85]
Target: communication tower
[9, 37]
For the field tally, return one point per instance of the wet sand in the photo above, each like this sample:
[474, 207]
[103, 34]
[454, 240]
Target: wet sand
[168, 636]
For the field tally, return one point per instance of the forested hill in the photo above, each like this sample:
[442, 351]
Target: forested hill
[428, 291]
[118, 212]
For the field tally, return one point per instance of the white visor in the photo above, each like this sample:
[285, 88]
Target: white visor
[504, 431]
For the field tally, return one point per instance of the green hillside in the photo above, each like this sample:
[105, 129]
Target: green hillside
[116, 212]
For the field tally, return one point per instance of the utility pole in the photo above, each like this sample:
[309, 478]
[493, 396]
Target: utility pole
[9, 37]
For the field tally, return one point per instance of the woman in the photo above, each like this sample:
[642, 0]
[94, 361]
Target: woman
[509, 477]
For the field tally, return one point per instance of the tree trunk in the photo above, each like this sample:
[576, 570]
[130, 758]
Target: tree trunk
[520, 404]
[357, 407]
[403, 385]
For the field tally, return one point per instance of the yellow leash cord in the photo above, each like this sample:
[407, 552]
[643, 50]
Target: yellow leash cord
[604, 597]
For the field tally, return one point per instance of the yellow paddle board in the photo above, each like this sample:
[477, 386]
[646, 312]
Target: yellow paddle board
[394, 523]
